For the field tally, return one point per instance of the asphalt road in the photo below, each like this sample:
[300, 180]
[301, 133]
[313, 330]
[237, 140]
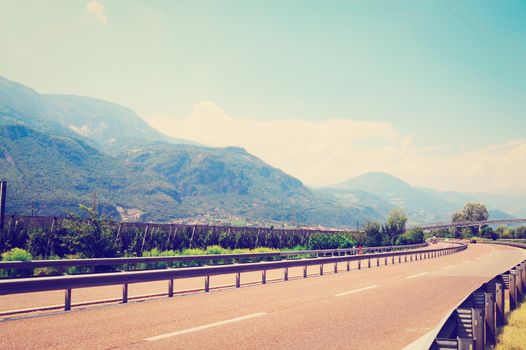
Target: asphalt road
[387, 307]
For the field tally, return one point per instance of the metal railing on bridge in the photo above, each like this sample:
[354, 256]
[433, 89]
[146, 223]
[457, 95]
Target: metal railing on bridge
[469, 223]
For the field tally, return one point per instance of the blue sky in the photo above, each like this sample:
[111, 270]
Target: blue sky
[449, 76]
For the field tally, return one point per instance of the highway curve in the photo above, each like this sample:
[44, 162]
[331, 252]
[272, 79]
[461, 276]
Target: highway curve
[387, 307]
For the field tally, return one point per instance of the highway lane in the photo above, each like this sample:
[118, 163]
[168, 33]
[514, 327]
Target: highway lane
[45, 299]
[384, 307]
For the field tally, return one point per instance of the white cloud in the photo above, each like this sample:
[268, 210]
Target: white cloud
[97, 10]
[333, 150]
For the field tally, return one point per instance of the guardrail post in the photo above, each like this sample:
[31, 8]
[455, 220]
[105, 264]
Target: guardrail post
[207, 284]
[392, 260]
[348, 265]
[125, 293]
[286, 273]
[264, 277]
[377, 262]
[519, 283]
[478, 328]
[67, 300]
[304, 271]
[170, 288]
[369, 263]
[385, 261]
[321, 270]
[335, 267]
[499, 303]
[238, 279]
[359, 264]
[512, 291]
[489, 318]
[410, 257]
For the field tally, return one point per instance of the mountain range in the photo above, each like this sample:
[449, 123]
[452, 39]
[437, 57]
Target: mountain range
[422, 205]
[56, 151]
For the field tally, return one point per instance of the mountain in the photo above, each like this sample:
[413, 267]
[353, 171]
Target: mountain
[112, 127]
[57, 150]
[57, 173]
[230, 181]
[419, 205]
[423, 205]
[359, 198]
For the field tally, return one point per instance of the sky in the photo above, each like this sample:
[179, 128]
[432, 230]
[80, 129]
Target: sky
[431, 91]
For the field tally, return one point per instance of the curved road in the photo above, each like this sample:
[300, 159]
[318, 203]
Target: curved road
[387, 307]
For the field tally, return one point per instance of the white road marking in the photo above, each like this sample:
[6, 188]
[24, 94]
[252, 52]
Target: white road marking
[355, 291]
[417, 275]
[448, 266]
[200, 328]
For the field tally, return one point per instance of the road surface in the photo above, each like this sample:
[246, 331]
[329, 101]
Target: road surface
[387, 307]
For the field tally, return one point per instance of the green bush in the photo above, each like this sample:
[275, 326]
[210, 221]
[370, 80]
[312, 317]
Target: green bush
[331, 241]
[216, 249]
[413, 236]
[16, 254]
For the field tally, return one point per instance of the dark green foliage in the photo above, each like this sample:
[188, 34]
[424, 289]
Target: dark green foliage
[509, 233]
[472, 211]
[412, 236]
[16, 254]
[331, 241]
[373, 235]
[91, 237]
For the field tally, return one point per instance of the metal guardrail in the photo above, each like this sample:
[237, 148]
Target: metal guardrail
[64, 263]
[474, 323]
[67, 283]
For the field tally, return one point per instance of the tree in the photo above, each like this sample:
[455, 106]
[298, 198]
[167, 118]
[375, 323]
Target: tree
[472, 211]
[395, 225]
[91, 237]
[373, 234]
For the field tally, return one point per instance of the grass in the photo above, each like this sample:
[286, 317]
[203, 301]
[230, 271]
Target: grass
[513, 336]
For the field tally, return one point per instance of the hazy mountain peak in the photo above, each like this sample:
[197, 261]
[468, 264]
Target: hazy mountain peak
[376, 182]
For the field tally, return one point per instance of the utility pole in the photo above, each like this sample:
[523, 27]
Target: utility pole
[94, 204]
[3, 191]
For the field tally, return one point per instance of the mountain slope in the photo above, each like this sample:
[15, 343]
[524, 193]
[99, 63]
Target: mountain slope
[111, 126]
[419, 204]
[423, 205]
[58, 173]
[230, 181]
